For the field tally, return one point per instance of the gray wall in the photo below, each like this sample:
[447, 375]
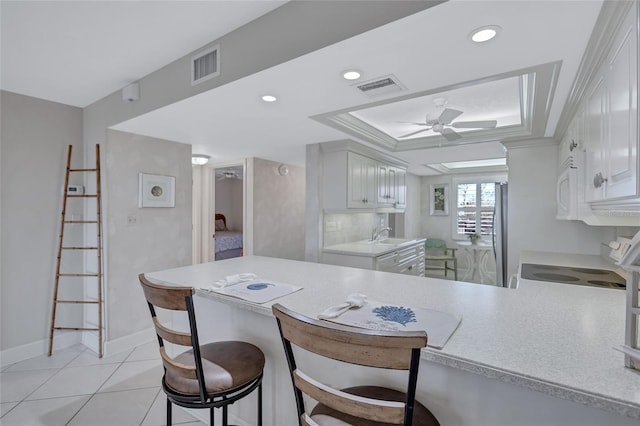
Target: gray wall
[278, 211]
[34, 134]
[159, 239]
[229, 202]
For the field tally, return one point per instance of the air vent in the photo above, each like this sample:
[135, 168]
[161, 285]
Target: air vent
[380, 86]
[205, 65]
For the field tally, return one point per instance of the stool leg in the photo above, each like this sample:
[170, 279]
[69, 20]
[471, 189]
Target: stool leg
[225, 421]
[211, 417]
[260, 404]
[168, 412]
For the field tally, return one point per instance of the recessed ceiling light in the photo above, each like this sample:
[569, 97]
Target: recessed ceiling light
[351, 75]
[483, 34]
[269, 98]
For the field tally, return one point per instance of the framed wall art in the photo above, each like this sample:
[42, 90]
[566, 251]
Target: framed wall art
[156, 190]
[439, 199]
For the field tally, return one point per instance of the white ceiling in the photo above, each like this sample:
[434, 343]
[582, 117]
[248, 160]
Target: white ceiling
[425, 51]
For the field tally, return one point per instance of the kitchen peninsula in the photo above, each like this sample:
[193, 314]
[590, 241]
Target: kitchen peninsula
[542, 354]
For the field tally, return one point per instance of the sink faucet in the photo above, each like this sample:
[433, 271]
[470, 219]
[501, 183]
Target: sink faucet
[375, 234]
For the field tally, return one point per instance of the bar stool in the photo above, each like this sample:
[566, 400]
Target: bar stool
[205, 376]
[360, 405]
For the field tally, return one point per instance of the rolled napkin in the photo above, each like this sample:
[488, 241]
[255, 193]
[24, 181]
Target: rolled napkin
[354, 300]
[230, 280]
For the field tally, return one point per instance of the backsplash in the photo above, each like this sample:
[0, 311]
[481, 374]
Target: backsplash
[346, 228]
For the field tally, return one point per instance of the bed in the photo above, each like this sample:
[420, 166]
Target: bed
[228, 243]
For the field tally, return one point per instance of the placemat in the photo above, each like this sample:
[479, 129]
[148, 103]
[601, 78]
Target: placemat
[257, 291]
[375, 315]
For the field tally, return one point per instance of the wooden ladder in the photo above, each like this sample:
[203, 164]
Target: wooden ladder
[64, 221]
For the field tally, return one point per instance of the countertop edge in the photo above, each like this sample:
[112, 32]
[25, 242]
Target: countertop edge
[547, 388]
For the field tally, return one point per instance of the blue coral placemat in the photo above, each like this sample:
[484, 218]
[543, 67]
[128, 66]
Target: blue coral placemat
[376, 315]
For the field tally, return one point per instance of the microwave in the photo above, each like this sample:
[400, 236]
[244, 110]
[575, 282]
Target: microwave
[570, 187]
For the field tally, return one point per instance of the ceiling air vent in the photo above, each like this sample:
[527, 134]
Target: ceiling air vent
[205, 65]
[380, 86]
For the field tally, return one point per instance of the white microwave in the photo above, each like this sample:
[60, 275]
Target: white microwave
[570, 187]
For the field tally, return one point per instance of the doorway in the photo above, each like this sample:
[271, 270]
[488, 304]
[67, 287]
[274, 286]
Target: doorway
[228, 241]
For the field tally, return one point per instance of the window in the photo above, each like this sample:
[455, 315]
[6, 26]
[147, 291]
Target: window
[474, 208]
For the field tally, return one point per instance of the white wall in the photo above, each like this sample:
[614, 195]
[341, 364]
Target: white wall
[34, 139]
[278, 211]
[532, 208]
[159, 239]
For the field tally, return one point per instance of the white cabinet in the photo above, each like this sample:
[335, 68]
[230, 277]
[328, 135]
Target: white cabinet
[351, 180]
[611, 121]
[392, 186]
[406, 260]
[362, 181]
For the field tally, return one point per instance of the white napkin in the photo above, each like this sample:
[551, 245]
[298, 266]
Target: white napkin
[353, 300]
[230, 280]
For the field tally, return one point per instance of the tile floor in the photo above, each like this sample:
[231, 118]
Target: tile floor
[74, 387]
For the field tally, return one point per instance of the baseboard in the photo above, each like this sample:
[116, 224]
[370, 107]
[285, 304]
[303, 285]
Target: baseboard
[38, 348]
[129, 342]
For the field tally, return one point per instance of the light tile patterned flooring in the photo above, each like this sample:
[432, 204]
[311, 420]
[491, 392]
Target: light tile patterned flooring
[74, 387]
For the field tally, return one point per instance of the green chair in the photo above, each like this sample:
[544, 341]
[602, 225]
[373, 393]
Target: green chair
[436, 250]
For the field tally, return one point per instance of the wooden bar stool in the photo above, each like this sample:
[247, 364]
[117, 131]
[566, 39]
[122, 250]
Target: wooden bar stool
[360, 405]
[209, 376]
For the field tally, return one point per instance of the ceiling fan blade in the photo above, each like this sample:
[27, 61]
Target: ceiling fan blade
[414, 133]
[413, 122]
[450, 135]
[448, 115]
[486, 124]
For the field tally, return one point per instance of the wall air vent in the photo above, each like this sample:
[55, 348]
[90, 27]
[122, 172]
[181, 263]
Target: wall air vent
[380, 86]
[205, 65]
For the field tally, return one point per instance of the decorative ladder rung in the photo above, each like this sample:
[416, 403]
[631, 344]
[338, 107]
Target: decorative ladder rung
[77, 275]
[77, 328]
[79, 248]
[97, 249]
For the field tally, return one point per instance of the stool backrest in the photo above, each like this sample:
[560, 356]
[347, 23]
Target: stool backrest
[175, 298]
[382, 349]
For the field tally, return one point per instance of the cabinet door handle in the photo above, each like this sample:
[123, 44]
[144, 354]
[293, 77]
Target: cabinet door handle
[598, 180]
[573, 145]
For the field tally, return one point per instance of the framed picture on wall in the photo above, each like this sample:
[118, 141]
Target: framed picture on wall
[439, 199]
[156, 190]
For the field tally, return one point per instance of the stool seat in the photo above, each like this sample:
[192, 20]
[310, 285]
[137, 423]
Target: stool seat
[226, 366]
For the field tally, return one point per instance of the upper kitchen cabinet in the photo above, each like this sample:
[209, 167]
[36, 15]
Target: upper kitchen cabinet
[392, 186]
[355, 177]
[611, 120]
[605, 190]
[362, 181]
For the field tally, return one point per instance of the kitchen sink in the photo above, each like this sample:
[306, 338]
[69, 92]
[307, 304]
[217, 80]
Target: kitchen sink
[388, 242]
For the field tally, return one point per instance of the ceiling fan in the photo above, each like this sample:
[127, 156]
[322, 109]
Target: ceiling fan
[228, 174]
[444, 122]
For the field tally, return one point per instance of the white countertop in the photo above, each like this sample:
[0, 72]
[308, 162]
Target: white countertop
[556, 339]
[365, 248]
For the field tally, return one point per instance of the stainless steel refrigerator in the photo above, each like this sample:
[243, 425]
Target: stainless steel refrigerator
[499, 233]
